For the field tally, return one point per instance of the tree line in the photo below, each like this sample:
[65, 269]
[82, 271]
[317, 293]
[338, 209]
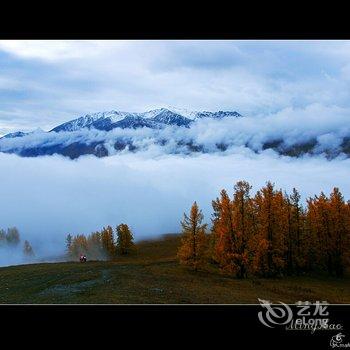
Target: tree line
[269, 234]
[105, 244]
[11, 238]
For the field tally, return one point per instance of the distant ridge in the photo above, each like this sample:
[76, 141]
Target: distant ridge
[169, 130]
[154, 119]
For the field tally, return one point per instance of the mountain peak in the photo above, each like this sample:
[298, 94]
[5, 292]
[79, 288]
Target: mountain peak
[14, 134]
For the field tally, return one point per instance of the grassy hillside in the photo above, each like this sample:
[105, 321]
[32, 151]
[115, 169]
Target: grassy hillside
[154, 276]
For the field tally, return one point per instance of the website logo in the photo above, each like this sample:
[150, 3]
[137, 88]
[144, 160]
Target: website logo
[274, 315]
[337, 341]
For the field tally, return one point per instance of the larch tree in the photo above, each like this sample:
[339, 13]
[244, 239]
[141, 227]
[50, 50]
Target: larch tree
[125, 240]
[315, 258]
[222, 230]
[328, 220]
[269, 257]
[69, 240]
[289, 251]
[108, 244]
[193, 249]
[319, 221]
[340, 231]
[95, 247]
[243, 221]
[272, 234]
[292, 219]
[232, 228]
[297, 240]
[13, 236]
[27, 249]
[79, 246]
[2, 237]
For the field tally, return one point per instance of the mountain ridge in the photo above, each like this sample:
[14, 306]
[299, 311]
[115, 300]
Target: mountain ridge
[156, 118]
[173, 131]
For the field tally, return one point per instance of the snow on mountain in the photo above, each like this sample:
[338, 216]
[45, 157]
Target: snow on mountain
[14, 134]
[193, 115]
[89, 119]
[219, 114]
[152, 119]
[170, 118]
[152, 113]
[75, 124]
[189, 114]
[20, 134]
[92, 133]
[178, 131]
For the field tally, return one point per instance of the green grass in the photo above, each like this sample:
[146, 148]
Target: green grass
[154, 276]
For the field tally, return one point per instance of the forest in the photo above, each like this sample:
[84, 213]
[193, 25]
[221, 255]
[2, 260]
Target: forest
[268, 234]
[101, 245]
[11, 238]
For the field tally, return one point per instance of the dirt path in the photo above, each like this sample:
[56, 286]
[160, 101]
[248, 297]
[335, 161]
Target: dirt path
[67, 289]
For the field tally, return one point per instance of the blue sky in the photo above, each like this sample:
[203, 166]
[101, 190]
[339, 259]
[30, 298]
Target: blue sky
[44, 83]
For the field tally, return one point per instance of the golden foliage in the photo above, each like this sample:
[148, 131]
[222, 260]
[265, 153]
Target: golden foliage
[193, 249]
[271, 234]
[125, 244]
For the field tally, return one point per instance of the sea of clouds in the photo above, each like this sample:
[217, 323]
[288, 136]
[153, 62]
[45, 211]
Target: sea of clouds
[49, 197]
[328, 125]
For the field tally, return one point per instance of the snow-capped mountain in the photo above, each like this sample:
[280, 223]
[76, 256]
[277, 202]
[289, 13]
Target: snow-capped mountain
[83, 135]
[157, 118]
[88, 121]
[193, 115]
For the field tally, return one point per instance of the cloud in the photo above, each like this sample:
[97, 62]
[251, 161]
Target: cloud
[44, 83]
[53, 50]
[326, 124]
[49, 197]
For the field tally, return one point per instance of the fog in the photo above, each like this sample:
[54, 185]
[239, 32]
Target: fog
[48, 197]
[15, 256]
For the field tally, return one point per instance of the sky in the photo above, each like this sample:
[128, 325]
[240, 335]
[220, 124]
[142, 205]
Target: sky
[45, 83]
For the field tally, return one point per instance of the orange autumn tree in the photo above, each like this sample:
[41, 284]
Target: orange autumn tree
[329, 220]
[295, 234]
[313, 244]
[221, 230]
[340, 228]
[193, 249]
[125, 244]
[268, 242]
[91, 245]
[233, 225]
[95, 247]
[272, 234]
[107, 240]
[78, 246]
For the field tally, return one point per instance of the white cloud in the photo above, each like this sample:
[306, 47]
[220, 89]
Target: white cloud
[59, 80]
[54, 50]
